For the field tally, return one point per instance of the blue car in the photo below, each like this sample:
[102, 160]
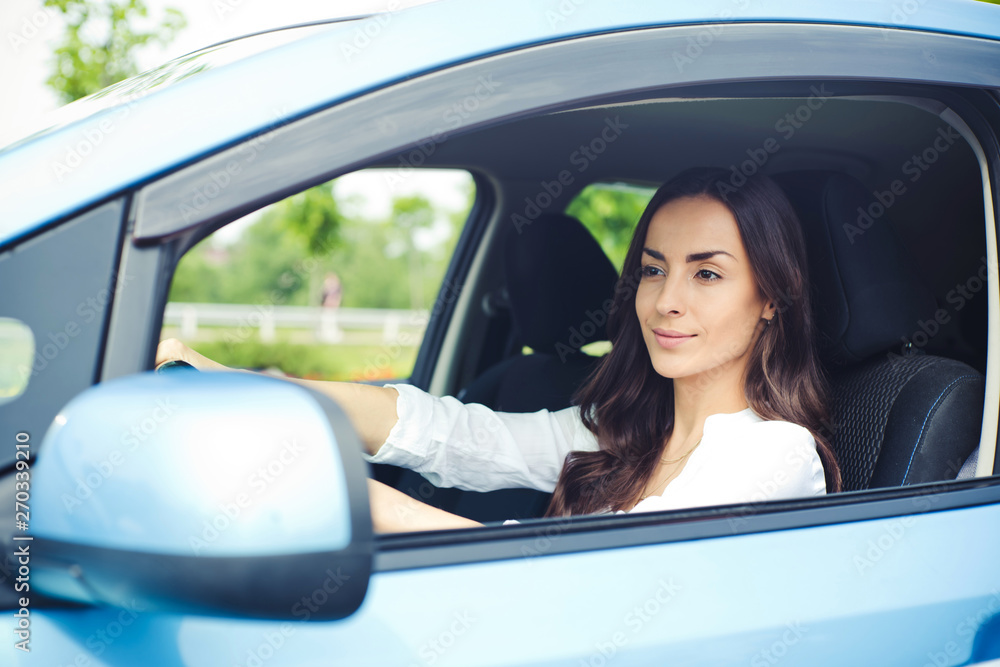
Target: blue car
[207, 519]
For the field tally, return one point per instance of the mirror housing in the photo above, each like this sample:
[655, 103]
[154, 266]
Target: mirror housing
[208, 493]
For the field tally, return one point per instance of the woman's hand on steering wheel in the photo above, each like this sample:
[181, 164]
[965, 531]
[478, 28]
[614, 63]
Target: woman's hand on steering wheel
[171, 354]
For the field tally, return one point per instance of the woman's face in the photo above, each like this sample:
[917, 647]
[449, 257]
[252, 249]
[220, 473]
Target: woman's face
[697, 302]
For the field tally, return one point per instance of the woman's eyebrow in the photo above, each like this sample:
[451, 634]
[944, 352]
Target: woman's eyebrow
[701, 256]
[693, 257]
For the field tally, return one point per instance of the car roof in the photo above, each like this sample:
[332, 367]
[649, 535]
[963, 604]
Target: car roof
[203, 102]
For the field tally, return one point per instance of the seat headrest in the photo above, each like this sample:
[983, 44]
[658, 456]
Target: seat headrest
[559, 282]
[867, 294]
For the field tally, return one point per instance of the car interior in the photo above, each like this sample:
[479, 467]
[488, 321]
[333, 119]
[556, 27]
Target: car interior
[890, 196]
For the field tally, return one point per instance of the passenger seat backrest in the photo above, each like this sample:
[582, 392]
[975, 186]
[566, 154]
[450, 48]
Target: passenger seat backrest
[559, 283]
[899, 417]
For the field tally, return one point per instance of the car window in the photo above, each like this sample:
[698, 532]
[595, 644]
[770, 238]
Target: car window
[911, 162]
[610, 212]
[17, 351]
[333, 283]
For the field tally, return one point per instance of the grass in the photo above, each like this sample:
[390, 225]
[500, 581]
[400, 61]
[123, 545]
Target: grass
[315, 361]
[17, 349]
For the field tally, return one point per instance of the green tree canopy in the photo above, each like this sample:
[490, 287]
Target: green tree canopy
[611, 213]
[99, 43]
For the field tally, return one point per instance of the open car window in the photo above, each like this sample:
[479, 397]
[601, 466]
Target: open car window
[334, 283]
[874, 179]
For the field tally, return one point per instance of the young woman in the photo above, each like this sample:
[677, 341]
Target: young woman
[712, 393]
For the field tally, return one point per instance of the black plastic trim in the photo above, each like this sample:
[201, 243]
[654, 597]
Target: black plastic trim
[450, 292]
[549, 537]
[415, 108]
[268, 587]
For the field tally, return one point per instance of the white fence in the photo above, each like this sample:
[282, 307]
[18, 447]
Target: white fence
[327, 324]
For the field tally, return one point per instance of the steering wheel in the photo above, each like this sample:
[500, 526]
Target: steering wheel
[175, 365]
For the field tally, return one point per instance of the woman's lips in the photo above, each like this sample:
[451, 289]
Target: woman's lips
[669, 338]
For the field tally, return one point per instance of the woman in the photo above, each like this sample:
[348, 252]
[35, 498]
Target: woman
[712, 392]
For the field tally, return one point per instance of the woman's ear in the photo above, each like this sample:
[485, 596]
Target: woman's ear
[770, 310]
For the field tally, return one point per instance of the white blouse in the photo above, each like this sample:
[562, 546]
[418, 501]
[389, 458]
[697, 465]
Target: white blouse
[741, 458]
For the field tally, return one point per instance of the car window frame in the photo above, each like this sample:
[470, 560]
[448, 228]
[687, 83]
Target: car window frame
[805, 52]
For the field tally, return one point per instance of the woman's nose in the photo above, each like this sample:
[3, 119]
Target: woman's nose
[670, 300]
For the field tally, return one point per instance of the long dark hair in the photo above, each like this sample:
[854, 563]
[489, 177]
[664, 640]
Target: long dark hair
[630, 407]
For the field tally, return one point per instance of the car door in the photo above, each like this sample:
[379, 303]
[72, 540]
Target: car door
[891, 576]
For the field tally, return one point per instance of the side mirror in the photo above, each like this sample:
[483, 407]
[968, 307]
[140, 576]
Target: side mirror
[207, 493]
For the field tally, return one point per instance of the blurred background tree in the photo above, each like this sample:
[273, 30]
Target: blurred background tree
[294, 243]
[100, 41]
[610, 212]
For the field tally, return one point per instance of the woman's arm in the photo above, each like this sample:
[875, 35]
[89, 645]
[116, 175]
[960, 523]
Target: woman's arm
[453, 444]
[395, 512]
[371, 409]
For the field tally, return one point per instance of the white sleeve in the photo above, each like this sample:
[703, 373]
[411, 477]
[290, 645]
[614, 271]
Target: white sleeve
[770, 460]
[474, 448]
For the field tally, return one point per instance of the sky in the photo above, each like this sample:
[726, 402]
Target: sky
[29, 33]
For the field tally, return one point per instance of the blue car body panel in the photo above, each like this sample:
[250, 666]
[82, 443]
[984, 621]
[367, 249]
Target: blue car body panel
[676, 603]
[114, 149]
[684, 603]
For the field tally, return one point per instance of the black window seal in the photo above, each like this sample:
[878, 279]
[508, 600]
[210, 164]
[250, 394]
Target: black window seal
[548, 537]
[483, 206]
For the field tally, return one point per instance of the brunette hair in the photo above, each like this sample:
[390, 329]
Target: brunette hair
[630, 407]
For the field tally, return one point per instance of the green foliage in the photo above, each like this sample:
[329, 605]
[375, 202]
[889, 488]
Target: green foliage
[283, 257]
[313, 216]
[315, 362]
[265, 267]
[611, 212]
[99, 43]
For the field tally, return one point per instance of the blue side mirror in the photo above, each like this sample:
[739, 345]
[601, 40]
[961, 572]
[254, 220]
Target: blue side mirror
[213, 493]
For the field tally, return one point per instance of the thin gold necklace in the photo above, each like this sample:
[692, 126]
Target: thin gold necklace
[672, 474]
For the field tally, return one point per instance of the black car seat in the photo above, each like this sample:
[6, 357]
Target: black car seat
[899, 416]
[559, 283]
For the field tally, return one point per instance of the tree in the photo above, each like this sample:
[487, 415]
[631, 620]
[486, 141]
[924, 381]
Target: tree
[610, 213]
[99, 44]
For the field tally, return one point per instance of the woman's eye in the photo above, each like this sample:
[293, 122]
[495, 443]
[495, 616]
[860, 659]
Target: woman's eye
[649, 271]
[707, 275]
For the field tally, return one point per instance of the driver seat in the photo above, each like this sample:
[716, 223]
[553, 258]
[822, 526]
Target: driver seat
[900, 416]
